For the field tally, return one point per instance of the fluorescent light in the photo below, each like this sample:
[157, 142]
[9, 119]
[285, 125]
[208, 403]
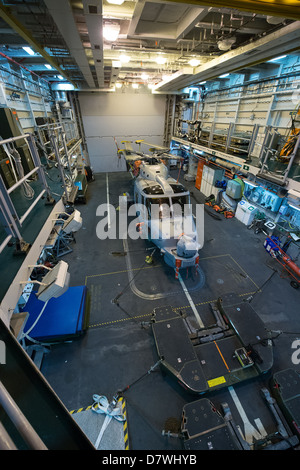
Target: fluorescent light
[294, 207]
[202, 83]
[48, 66]
[29, 50]
[63, 86]
[251, 184]
[194, 62]
[277, 58]
[115, 2]
[116, 64]
[161, 60]
[224, 75]
[60, 77]
[111, 31]
[124, 58]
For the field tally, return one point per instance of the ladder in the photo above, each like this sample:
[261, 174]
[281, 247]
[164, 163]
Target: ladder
[169, 118]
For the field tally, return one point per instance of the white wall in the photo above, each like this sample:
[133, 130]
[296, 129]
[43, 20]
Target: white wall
[125, 116]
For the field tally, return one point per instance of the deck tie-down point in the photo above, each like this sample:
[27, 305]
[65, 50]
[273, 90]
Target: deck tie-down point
[111, 410]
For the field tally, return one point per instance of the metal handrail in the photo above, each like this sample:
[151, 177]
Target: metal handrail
[20, 421]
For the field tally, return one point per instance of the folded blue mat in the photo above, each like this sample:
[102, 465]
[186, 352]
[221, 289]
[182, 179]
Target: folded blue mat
[63, 316]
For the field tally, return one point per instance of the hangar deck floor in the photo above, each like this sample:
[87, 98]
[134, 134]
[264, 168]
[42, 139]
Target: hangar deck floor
[117, 348]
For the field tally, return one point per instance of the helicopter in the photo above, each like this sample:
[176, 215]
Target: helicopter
[163, 207]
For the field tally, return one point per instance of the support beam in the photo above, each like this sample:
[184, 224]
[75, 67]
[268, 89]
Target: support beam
[283, 8]
[62, 15]
[95, 27]
[26, 35]
[283, 41]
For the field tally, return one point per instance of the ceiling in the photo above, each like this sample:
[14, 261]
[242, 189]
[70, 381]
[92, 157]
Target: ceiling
[68, 36]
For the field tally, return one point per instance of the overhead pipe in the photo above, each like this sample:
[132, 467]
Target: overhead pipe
[230, 166]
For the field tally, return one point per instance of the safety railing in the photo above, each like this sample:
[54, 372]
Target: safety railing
[20, 422]
[9, 217]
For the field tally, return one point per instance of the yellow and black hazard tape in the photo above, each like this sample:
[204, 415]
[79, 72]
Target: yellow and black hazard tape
[80, 409]
[125, 427]
[98, 325]
[122, 401]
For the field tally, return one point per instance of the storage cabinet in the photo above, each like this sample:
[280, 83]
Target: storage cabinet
[209, 177]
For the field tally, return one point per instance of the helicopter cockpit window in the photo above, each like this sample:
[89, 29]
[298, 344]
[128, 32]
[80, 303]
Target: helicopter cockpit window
[178, 188]
[178, 203]
[154, 190]
[158, 207]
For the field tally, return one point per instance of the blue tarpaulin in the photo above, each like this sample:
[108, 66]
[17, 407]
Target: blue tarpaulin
[63, 316]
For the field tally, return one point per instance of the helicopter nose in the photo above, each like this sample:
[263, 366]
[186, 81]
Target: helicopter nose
[187, 246]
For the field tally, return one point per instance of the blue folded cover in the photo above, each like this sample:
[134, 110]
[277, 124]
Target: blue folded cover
[63, 316]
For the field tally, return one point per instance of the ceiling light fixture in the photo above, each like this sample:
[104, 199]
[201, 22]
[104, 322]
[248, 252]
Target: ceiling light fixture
[60, 77]
[161, 60]
[111, 31]
[124, 58]
[224, 75]
[29, 50]
[194, 62]
[48, 66]
[115, 2]
[294, 207]
[116, 64]
[277, 58]
[202, 83]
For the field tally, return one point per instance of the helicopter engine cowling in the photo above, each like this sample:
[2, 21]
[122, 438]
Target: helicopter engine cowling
[187, 246]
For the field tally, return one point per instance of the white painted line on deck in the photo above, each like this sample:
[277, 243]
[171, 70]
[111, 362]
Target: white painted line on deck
[260, 427]
[107, 199]
[249, 431]
[193, 307]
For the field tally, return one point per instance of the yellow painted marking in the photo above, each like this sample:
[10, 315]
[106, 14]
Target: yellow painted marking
[175, 308]
[222, 356]
[216, 381]
[97, 325]
[123, 407]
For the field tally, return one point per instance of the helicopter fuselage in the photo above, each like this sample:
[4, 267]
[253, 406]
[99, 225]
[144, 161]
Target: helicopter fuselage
[164, 211]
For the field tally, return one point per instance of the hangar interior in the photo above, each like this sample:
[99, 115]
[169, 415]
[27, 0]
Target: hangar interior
[117, 342]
